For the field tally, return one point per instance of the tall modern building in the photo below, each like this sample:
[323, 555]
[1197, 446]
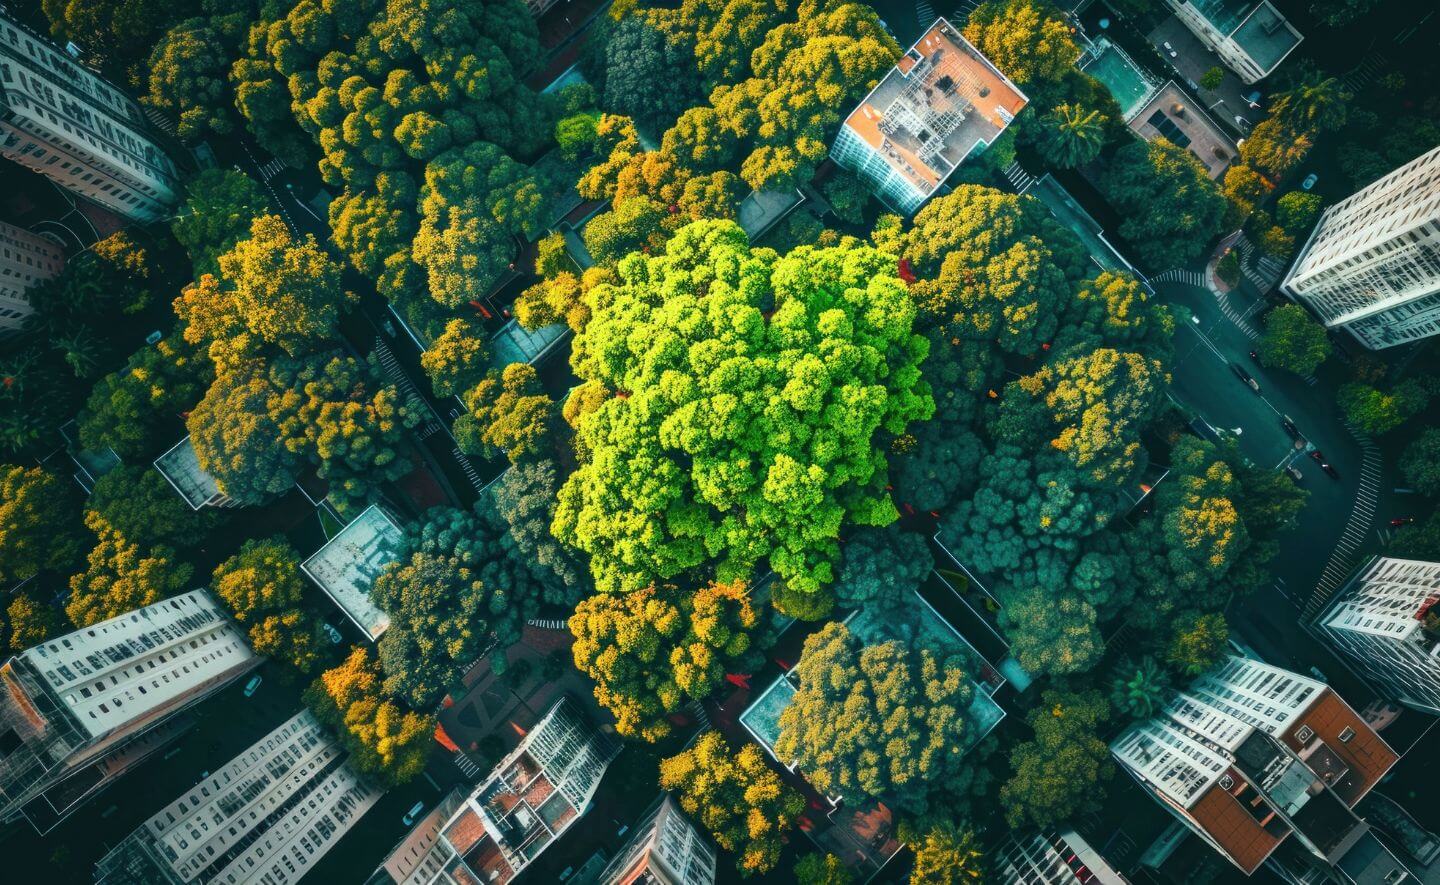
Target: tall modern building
[942, 103]
[1381, 623]
[1372, 264]
[1053, 858]
[1263, 765]
[26, 260]
[71, 125]
[268, 815]
[665, 849]
[1251, 38]
[528, 801]
[82, 709]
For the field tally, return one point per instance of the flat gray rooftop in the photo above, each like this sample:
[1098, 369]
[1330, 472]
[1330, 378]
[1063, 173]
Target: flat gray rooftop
[347, 565]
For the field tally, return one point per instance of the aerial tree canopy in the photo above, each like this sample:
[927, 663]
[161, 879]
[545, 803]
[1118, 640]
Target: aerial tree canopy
[747, 392]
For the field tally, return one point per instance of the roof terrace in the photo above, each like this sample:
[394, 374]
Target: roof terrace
[348, 564]
[941, 101]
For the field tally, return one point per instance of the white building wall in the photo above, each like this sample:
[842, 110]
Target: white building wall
[1375, 623]
[67, 123]
[1372, 264]
[26, 260]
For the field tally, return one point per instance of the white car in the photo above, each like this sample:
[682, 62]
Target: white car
[1309, 181]
[413, 814]
[252, 686]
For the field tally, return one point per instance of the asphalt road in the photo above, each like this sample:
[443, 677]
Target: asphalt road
[1268, 620]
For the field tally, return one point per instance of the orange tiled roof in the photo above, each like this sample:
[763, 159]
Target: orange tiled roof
[1232, 827]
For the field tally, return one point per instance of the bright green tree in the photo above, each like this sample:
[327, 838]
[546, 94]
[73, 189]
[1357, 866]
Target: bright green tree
[238, 441]
[1138, 689]
[736, 797]
[822, 869]
[729, 438]
[946, 854]
[1198, 642]
[1212, 78]
[1075, 136]
[262, 586]
[140, 504]
[1297, 211]
[1378, 411]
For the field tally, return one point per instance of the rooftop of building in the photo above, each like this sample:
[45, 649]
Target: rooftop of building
[940, 101]
[1172, 114]
[181, 468]
[1257, 28]
[348, 564]
[530, 799]
[92, 670]
[1342, 232]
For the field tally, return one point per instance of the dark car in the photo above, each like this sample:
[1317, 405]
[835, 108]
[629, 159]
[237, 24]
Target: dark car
[1402, 520]
[1329, 470]
[1255, 355]
[1289, 426]
[1317, 456]
[1245, 376]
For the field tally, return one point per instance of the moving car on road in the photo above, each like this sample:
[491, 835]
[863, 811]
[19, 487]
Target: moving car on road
[1401, 520]
[1317, 456]
[1329, 470]
[1245, 376]
[1289, 426]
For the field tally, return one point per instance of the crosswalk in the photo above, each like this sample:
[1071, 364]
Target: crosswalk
[468, 469]
[1181, 275]
[1018, 177]
[468, 768]
[924, 13]
[1260, 269]
[272, 169]
[403, 384]
[1235, 316]
[1357, 528]
[1369, 68]
[545, 624]
[161, 121]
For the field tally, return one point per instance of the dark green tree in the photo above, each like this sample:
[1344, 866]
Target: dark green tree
[1171, 207]
[1420, 464]
[1062, 771]
[1293, 340]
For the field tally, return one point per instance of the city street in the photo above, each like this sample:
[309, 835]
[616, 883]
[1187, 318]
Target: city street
[1204, 381]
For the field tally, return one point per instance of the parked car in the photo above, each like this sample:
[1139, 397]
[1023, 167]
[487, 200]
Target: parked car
[1245, 376]
[1170, 50]
[1401, 520]
[1295, 473]
[252, 686]
[1317, 456]
[413, 814]
[331, 633]
[1309, 181]
[1289, 426]
[1330, 470]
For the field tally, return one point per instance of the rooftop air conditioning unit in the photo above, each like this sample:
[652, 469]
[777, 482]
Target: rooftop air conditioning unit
[1226, 781]
[1304, 733]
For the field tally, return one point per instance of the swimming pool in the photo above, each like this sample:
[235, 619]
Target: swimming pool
[1130, 85]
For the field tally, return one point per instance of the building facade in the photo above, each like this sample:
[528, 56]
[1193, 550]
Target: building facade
[1259, 762]
[1372, 264]
[942, 103]
[665, 849]
[527, 802]
[1053, 858]
[1251, 38]
[268, 815]
[78, 711]
[26, 260]
[71, 125]
[1381, 623]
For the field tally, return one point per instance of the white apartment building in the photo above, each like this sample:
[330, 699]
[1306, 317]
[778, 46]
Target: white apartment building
[1372, 264]
[1258, 762]
[71, 125]
[80, 710]
[26, 260]
[1053, 858]
[1251, 38]
[524, 806]
[1377, 623]
[268, 816]
[665, 849]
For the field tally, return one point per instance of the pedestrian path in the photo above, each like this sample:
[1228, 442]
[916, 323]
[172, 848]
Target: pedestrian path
[1019, 178]
[1357, 528]
[468, 469]
[1181, 275]
[402, 383]
[1236, 316]
[1368, 70]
